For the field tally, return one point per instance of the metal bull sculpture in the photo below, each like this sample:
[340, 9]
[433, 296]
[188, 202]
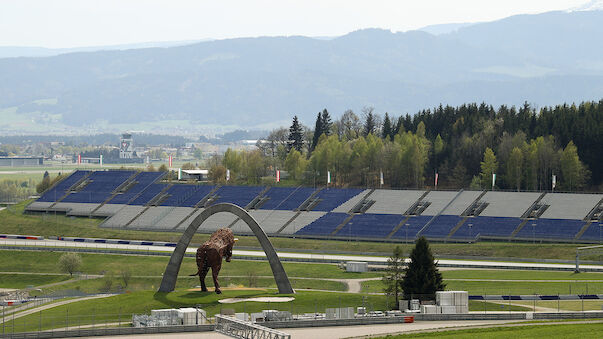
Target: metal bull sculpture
[210, 254]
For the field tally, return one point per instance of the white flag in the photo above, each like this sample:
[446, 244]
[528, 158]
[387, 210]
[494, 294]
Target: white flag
[180, 174]
[381, 178]
[278, 176]
[227, 175]
[493, 179]
[328, 177]
[554, 181]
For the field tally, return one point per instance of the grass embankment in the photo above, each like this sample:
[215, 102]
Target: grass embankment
[112, 309]
[514, 282]
[18, 281]
[15, 222]
[146, 272]
[568, 331]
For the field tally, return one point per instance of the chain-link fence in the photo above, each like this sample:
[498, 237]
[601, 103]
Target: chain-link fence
[59, 315]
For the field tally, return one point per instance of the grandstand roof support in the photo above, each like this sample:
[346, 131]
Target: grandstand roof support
[168, 283]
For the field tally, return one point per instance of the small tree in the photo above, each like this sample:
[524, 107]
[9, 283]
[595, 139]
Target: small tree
[70, 262]
[421, 276]
[125, 276]
[392, 280]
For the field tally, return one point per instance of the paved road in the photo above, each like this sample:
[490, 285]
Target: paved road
[335, 331]
[304, 256]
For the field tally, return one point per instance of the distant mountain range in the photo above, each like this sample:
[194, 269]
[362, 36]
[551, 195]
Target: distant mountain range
[544, 59]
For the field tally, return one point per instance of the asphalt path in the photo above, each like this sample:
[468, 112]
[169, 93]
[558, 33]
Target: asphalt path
[301, 256]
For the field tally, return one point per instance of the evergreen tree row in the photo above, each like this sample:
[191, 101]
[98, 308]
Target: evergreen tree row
[464, 145]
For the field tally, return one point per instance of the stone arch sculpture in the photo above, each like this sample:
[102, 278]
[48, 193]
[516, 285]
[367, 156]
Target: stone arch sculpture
[168, 283]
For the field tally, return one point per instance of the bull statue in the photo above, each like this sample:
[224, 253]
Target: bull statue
[210, 255]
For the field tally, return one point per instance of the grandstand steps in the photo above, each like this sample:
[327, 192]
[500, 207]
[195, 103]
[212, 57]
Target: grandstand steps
[343, 223]
[258, 200]
[162, 216]
[137, 215]
[124, 186]
[186, 218]
[468, 210]
[397, 227]
[583, 229]
[456, 228]
[72, 187]
[208, 199]
[519, 227]
[533, 207]
[362, 205]
[158, 198]
[595, 213]
[413, 207]
[310, 201]
[439, 213]
[288, 222]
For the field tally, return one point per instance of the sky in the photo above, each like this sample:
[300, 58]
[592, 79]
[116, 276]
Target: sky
[78, 23]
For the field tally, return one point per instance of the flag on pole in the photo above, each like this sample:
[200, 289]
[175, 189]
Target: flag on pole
[101, 160]
[554, 181]
[227, 175]
[328, 177]
[170, 161]
[79, 159]
[278, 176]
[381, 178]
[436, 180]
[493, 179]
[180, 174]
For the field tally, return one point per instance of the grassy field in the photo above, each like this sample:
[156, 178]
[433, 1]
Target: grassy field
[507, 287]
[111, 309]
[15, 222]
[569, 331]
[34, 261]
[18, 281]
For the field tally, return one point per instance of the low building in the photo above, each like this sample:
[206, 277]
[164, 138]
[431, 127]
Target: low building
[21, 161]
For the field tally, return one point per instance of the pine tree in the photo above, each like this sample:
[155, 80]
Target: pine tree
[421, 275]
[296, 136]
[317, 131]
[387, 130]
[369, 124]
[392, 280]
[326, 123]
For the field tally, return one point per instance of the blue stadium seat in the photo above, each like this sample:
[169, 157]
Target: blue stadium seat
[178, 194]
[324, 225]
[414, 226]
[143, 180]
[550, 229]
[200, 192]
[370, 225]
[238, 195]
[286, 198]
[594, 232]
[487, 226]
[101, 186]
[333, 197]
[59, 190]
[441, 226]
[148, 194]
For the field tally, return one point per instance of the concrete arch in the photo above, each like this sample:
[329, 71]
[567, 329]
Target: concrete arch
[168, 283]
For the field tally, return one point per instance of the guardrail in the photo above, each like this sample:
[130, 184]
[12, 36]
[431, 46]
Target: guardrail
[246, 330]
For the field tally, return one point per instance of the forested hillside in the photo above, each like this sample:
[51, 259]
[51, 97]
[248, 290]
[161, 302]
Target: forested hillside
[464, 145]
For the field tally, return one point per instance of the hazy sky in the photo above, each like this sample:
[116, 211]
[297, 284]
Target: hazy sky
[71, 23]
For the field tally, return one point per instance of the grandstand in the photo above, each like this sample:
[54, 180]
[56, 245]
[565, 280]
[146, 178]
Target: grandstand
[142, 201]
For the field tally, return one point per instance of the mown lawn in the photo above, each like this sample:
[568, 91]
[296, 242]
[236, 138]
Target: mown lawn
[18, 281]
[569, 331]
[139, 265]
[121, 307]
[507, 287]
